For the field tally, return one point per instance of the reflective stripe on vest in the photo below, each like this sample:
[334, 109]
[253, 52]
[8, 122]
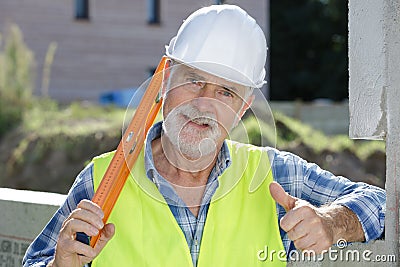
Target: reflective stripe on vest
[241, 227]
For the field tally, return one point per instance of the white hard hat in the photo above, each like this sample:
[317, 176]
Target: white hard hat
[222, 40]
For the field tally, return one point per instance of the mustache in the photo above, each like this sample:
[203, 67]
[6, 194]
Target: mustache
[193, 114]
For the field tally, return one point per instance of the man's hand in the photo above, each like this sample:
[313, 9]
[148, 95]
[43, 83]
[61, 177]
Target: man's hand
[313, 228]
[86, 218]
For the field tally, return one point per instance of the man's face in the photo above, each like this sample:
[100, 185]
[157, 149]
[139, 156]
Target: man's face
[199, 110]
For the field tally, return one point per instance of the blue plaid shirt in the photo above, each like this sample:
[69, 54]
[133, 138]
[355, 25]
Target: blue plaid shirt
[298, 177]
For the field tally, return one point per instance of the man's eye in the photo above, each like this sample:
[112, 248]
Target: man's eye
[226, 93]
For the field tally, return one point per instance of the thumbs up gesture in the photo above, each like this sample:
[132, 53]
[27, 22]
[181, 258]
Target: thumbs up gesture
[309, 227]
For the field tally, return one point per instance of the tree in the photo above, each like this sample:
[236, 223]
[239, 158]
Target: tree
[16, 79]
[309, 50]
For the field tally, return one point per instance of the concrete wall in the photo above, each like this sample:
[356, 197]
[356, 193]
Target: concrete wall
[374, 50]
[367, 69]
[23, 215]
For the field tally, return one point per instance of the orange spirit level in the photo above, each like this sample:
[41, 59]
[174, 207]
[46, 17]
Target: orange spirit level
[129, 147]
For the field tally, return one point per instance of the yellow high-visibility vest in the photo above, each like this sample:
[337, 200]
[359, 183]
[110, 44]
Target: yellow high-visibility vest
[241, 228]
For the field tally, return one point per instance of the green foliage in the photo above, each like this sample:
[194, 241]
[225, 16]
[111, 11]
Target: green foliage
[47, 128]
[309, 49]
[256, 132]
[291, 133]
[287, 133]
[16, 76]
[75, 120]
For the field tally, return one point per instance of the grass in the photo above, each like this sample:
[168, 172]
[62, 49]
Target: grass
[47, 119]
[290, 132]
[318, 141]
[78, 132]
[47, 127]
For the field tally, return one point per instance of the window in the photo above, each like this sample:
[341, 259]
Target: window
[153, 11]
[219, 2]
[82, 9]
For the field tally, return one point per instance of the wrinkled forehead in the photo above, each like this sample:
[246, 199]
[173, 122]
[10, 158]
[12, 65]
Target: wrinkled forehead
[181, 74]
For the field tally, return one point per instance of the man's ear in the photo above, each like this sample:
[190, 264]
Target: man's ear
[243, 109]
[246, 105]
[166, 74]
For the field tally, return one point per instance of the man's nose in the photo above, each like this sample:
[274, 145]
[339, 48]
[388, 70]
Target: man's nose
[204, 100]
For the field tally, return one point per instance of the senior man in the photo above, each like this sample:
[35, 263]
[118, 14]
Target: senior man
[188, 202]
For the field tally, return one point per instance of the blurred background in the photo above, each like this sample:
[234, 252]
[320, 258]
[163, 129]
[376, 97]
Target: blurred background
[68, 69]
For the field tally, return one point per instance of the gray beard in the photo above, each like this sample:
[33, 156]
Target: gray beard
[189, 141]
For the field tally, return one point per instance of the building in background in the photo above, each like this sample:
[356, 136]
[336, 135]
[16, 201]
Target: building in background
[102, 45]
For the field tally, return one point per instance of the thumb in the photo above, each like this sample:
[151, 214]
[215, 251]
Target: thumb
[281, 197]
[106, 234]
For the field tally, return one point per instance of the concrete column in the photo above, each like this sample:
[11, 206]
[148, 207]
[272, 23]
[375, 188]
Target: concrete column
[367, 61]
[392, 88]
[374, 61]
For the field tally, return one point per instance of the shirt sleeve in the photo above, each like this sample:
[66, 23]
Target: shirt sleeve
[317, 186]
[42, 249]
